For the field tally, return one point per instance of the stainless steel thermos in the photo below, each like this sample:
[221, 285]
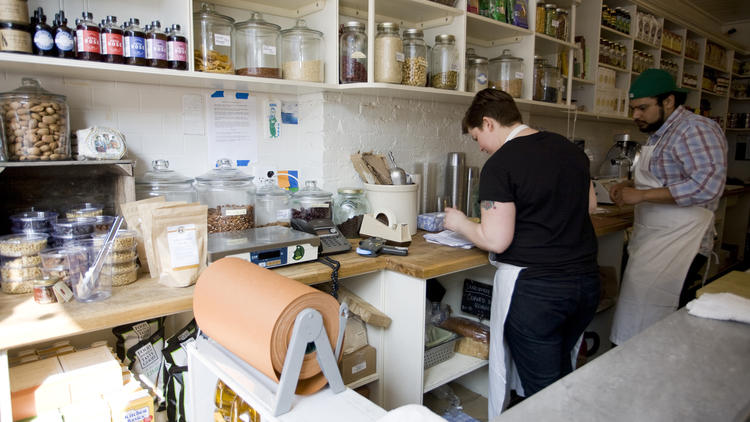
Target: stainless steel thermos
[455, 180]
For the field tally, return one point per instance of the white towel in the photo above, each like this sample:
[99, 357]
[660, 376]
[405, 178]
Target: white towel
[411, 413]
[449, 238]
[726, 306]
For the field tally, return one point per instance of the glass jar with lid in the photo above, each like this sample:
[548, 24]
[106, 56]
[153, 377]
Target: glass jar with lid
[272, 207]
[506, 74]
[562, 25]
[161, 181]
[415, 68]
[212, 40]
[389, 53]
[257, 47]
[547, 82]
[349, 208]
[353, 53]
[229, 194]
[302, 53]
[550, 19]
[35, 122]
[477, 72]
[444, 67]
[311, 202]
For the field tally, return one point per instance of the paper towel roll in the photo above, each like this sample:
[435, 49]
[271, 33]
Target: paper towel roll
[251, 310]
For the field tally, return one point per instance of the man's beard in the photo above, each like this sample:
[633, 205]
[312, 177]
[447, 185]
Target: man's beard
[652, 127]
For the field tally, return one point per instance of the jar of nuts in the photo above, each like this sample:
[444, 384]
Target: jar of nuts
[229, 194]
[35, 123]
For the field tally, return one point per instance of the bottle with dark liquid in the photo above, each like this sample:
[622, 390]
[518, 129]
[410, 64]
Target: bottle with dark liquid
[87, 39]
[135, 44]
[156, 46]
[43, 43]
[111, 41]
[176, 49]
[64, 39]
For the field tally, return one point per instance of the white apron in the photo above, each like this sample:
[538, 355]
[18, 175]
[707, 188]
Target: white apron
[665, 239]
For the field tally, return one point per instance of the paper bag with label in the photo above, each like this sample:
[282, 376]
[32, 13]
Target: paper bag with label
[145, 211]
[180, 238]
[129, 211]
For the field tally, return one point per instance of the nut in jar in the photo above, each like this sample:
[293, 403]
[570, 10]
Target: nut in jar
[35, 123]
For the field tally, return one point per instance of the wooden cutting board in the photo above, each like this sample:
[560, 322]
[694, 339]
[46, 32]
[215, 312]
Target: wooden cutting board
[736, 282]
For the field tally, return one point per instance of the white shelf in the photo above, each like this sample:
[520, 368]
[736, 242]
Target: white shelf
[711, 66]
[737, 129]
[546, 45]
[615, 68]
[604, 117]
[740, 99]
[363, 381]
[671, 53]
[451, 369]
[583, 81]
[713, 94]
[290, 8]
[417, 13]
[486, 32]
[738, 76]
[691, 60]
[646, 43]
[614, 32]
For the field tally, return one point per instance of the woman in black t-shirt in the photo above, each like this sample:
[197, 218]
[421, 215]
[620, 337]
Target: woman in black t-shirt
[535, 197]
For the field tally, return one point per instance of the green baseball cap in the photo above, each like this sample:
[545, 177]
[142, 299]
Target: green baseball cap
[653, 82]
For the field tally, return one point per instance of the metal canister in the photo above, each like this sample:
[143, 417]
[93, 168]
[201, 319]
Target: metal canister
[455, 180]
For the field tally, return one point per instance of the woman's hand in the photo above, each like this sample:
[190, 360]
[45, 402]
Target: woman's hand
[453, 219]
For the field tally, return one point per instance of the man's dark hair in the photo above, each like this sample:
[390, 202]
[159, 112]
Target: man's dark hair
[493, 103]
[679, 98]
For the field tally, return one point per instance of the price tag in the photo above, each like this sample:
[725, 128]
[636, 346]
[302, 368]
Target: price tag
[269, 50]
[183, 247]
[62, 292]
[223, 40]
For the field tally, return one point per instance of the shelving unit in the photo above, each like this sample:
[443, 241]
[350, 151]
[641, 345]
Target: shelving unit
[451, 369]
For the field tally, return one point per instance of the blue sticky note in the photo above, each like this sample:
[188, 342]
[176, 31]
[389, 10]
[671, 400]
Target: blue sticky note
[243, 163]
[242, 95]
[218, 94]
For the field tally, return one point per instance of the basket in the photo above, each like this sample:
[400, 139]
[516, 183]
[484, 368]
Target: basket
[440, 352]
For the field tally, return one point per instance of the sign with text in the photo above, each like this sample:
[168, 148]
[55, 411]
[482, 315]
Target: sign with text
[476, 298]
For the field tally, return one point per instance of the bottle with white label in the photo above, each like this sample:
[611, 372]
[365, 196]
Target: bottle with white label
[156, 46]
[176, 49]
[43, 41]
[64, 39]
[134, 40]
[257, 50]
[212, 41]
[88, 45]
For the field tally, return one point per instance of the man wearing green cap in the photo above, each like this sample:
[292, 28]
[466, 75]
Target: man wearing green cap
[677, 185]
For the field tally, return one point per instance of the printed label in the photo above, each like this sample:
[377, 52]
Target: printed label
[112, 44]
[359, 55]
[555, 24]
[233, 211]
[519, 75]
[176, 51]
[359, 367]
[482, 79]
[14, 11]
[147, 356]
[15, 40]
[88, 41]
[221, 39]
[64, 41]
[183, 247]
[137, 415]
[284, 214]
[135, 47]
[43, 40]
[183, 335]
[62, 292]
[156, 49]
[186, 342]
[400, 57]
[142, 330]
[269, 50]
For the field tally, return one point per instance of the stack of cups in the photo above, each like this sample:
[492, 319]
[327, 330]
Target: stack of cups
[66, 264]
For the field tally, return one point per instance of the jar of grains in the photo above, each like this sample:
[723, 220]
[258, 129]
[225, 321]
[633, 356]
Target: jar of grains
[506, 74]
[212, 41]
[302, 53]
[415, 67]
[353, 53]
[229, 194]
[476, 74]
[257, 47]
[389, 53]
[444, 67]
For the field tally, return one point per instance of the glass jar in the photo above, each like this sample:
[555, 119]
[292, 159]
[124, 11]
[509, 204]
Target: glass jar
[161, 181]
[229, 194]
[562, 24]
[212, 40]
[389, 53]
[547, 82]
[476, 74]
[550, 19]
[353, 53]
[349, 208]
[272, 205]
[444, 67]
[135, 44]
[506, 74]
[111, 42]
[540, 18]
[257, 48]
[302, 53]
[88, 39]
[311, 202]
[415, 68]
[156, 46]
[35, 122]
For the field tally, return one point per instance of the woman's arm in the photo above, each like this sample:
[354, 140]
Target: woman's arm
[494, 233]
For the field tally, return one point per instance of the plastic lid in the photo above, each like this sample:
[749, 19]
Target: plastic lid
[160, 174]
[507, 56]
[445, 38]
[224, 173]
[300, 28]
[271, 188]
[207, 12]
[32, 87]
[256, 20]
[311, 190]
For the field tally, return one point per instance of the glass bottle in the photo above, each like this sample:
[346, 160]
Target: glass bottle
[134, 38]
[177, 49]
[415, 68]
[156, 46]
[562, 25]
[111, 41]
[243, 412]
[477, 69]
[43, 43]
[389, 53]
[212, 41]
[64, 40]
[302, 53]
[257, 47]
[349, 208]
[87, 39]
[540, 17]
[353, 53]
[223, 400]
[444, 67]
[550, 19]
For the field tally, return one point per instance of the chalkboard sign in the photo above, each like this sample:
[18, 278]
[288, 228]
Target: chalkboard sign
[476, 298]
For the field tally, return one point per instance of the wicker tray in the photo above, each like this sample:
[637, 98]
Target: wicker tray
[440, 350]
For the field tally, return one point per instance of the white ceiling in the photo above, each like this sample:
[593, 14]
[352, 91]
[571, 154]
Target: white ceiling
[724, 11]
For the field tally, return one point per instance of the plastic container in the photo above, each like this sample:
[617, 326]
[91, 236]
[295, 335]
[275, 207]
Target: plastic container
[86, 209]
[59, 241]
[102, 223]
[302, 53]
[68, 257]
[118, 279]
[477, 70]
[67, 275]
[353, 53]
[311, 202]
[398, 203]
[18, 287]
[212, 41]
[33, 222]
[74, 226]
[20, 274]
[506, 74]
[124, 240]
[444, 67]
[22, 244]
[272, 205]
[229, 194]
[21, 261]
[416, 64]
[35, 122]
[389, 53]
[161, 181]
[257, 48]
[349, 208]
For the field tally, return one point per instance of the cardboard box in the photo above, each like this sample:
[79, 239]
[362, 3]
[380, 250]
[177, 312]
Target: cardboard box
[358, 364]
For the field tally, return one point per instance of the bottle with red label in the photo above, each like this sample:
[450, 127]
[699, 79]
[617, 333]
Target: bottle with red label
[135, 44]
[88, 45]
[111, 41]
[176, 49]
[156, 46]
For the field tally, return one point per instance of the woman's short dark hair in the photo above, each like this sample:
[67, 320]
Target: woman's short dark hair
[493, 103]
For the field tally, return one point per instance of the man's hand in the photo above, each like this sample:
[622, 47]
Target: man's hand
[630, 196]
[615, 191]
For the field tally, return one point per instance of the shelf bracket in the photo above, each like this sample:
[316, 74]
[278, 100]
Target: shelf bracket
[304, 10]
[434, 23]
[494, 43]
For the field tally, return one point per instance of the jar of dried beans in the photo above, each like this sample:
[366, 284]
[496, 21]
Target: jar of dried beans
[257, 48]
[229, 194]
[353, 53]
[311, 202]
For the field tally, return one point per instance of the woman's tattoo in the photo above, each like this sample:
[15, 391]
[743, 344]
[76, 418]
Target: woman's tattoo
[488, 205]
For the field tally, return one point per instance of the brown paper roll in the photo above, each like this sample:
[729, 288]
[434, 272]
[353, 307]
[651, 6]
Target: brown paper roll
[251, 310]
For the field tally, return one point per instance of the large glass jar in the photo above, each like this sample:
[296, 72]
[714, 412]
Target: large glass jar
[35, 123]
[444, 67]
[212, 40]
[161, 181]
[257, 48]
[311, 202]
[476, 74]
[272, 205]
[229, 194]
[389, 53]
[302, 53]
[506, 74]
[415, 67]
[547, 82]
[353, 53]
[562, 25]
[349, 208]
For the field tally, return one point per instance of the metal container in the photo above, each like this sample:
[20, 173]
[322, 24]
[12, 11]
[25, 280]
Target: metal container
[161, 181]
[455, 180]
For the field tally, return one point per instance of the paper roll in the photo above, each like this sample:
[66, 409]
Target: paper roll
[251, 310]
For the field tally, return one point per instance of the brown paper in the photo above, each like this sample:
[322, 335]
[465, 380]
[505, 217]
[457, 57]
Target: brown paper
[169, 223]
[251, 310]
[145, 217]
[129, 211]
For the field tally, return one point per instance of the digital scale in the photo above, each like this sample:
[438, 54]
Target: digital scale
[268, 247]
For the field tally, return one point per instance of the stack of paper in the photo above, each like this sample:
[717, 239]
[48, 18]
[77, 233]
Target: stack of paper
[449, 238]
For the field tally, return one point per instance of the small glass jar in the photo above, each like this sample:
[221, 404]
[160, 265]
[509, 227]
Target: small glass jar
[311, 202]
[477, 70]
[257, 48]
[353, 53]
[389, 53]
[272, 205]
[562, 24]
[444, 67]
[550, 19]
[506, 74]
[229, 194]
[302, 53]
[416, 66]
[349, 208]
[161, 181]
[43, 292]
[212, 41]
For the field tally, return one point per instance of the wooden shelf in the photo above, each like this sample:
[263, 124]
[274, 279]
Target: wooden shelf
[363, 381]
[451, 369]
[714, 67]
[486, 32]
[126, 166]
[736, 75]
[614, 32]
